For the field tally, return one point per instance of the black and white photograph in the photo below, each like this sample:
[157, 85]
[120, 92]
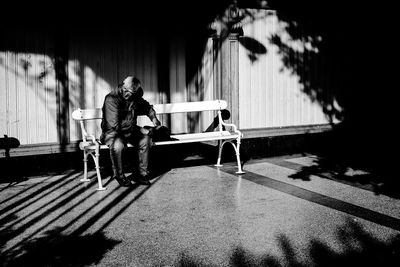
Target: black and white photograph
[199, 133]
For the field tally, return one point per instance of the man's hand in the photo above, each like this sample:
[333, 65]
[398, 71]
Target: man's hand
[156, 123]
[145, 131]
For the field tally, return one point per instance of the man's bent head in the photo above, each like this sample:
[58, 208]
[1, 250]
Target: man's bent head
[130, 87]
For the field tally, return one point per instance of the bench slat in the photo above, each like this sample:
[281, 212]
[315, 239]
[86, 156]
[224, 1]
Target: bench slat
[96, 113]
[200, 135]
[87, 114]
[199, 139]
[190, 106]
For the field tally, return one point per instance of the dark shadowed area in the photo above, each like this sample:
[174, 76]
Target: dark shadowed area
[357, 84]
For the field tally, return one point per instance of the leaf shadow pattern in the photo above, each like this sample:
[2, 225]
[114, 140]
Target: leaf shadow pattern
[357, 248]
[351, 174]
[254, 48]
[326, 168]
[55, 249]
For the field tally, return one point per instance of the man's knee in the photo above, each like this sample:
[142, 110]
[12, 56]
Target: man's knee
[145, 142]
[117, 145]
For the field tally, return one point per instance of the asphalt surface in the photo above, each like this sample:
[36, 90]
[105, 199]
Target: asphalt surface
[284, 211]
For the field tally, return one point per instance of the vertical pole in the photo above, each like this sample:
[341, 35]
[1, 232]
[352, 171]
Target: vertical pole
[229, 75]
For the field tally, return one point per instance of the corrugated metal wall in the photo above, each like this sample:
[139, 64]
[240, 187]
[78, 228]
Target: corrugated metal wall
[96, 61]
[28, 100]
[99, 61]
[201, 87]
[270, 94]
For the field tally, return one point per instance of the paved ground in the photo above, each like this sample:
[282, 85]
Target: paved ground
[284, 211]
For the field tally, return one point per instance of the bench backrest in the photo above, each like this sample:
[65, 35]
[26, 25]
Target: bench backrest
[96, 113]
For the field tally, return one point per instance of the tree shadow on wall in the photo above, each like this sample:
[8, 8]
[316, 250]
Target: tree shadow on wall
[343, 69]
[55, 249]
[357, 248]
[254, 48]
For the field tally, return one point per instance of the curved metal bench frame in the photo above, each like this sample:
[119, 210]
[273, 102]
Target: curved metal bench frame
[91, 146]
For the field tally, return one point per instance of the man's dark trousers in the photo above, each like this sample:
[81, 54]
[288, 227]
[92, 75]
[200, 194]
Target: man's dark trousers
[141, 142]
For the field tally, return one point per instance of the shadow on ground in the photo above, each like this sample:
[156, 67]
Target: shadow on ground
[377, 181]
[55, 249]
[36, 222]
[340, 159]
[358, 248]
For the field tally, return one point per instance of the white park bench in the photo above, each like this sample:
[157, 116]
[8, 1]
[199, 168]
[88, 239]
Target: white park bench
[91, 146]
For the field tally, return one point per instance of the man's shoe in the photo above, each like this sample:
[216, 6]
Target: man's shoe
[139, 180]
[122, 180]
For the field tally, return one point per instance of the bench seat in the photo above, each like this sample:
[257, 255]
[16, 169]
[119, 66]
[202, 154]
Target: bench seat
[198, 137]
[178, 139]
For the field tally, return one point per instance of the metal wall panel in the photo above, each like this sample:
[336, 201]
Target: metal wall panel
[185, 89]
[177, 84]
[3, 95]
[201, 87]
[96, 60]
[270, 94]
[99, 61]
[28, 88]
[35, 96]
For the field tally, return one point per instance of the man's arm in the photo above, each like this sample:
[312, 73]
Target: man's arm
[147, 109]
[153, 117]
[111, 113]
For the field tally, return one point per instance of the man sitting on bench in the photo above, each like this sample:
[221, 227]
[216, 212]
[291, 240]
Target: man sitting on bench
[119, 127]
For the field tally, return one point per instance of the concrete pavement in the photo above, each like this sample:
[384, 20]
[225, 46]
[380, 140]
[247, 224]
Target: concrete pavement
[279, 213]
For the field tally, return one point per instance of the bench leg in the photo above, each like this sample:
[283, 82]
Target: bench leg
[220, 145]
[85, 174]
[237, 149]
[96, 161]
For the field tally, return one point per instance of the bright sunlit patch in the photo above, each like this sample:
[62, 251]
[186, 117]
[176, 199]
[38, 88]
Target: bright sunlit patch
[28, 97]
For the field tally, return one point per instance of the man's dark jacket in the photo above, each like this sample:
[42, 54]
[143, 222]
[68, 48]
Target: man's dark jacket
[120, 115]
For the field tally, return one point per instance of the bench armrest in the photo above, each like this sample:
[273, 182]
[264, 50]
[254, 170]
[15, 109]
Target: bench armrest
[85, 136]
[222, 123]
[90, 137]
[89, 140]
